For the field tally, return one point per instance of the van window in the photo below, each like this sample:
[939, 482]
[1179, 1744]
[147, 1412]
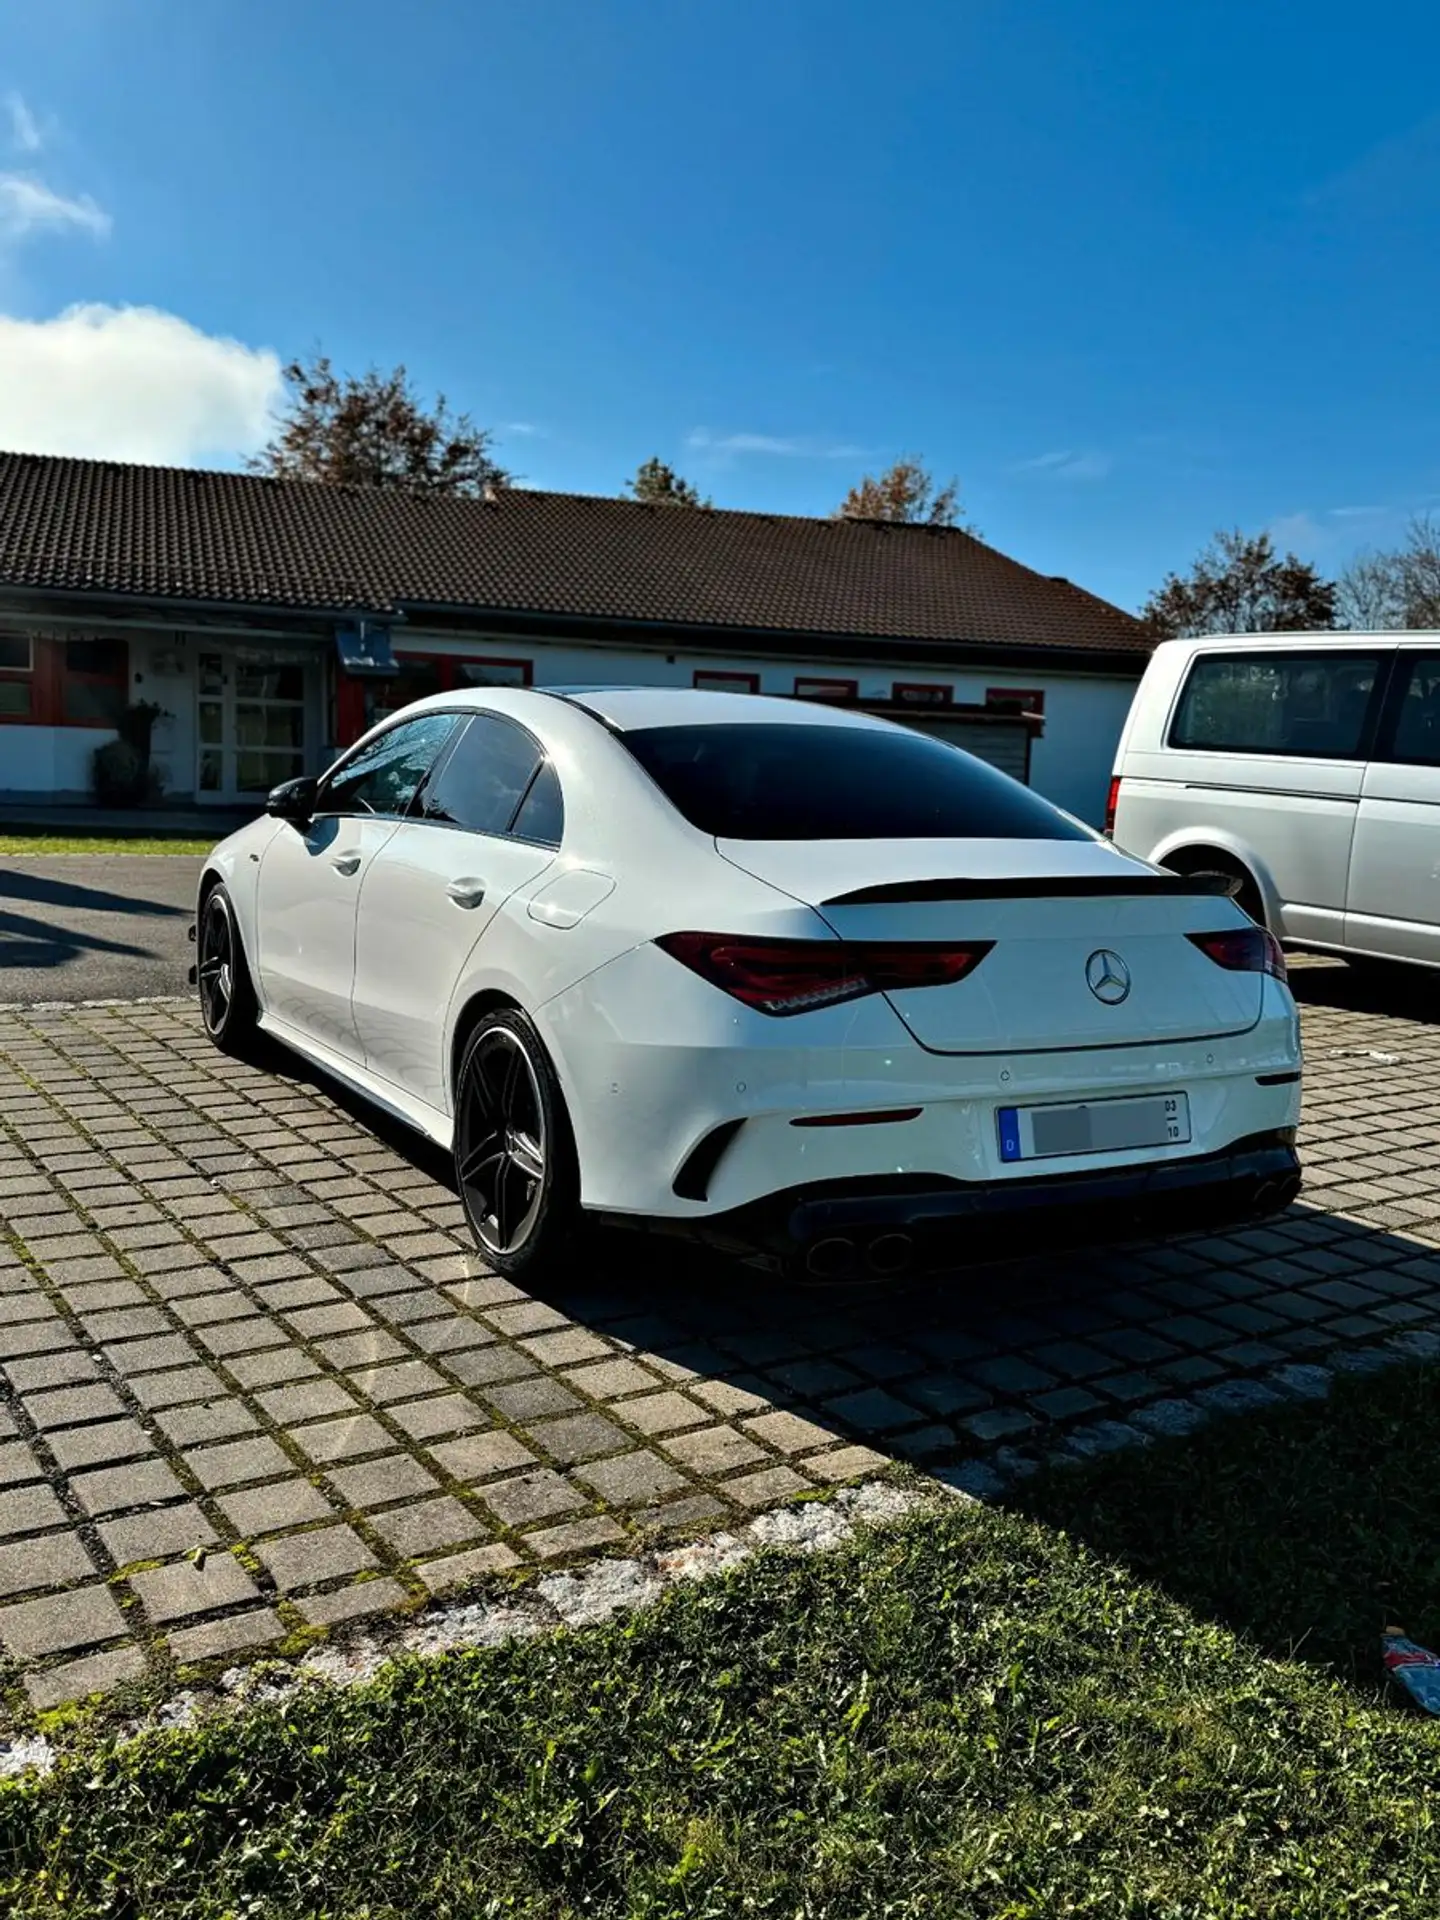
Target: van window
[1415, 729]
[1315, 705]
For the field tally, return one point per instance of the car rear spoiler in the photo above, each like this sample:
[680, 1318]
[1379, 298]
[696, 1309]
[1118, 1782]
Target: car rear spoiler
[1088, 886]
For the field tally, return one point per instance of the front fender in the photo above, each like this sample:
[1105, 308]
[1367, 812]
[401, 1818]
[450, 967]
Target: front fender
[236, 862]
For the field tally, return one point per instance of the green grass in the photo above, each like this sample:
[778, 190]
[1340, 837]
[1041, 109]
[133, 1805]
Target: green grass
[23, 843]
[975, 1715]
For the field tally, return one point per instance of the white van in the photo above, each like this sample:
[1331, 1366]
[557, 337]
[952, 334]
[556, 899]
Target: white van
[1306, 769]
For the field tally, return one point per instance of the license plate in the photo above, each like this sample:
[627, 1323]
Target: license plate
[1094, 1126]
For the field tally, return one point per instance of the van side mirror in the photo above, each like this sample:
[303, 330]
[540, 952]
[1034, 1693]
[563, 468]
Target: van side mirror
[294, 800]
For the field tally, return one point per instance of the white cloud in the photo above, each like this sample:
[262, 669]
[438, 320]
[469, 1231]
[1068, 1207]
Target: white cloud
[25, 134]
[701, 440]
[1357, 513]
[132, 383]
[525, 429]
[1068, 465]
[28, 206]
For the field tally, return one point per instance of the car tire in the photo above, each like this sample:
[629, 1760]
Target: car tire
[515, 1166]
[228, 1006]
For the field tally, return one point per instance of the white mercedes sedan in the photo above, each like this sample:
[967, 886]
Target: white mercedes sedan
[832, 994]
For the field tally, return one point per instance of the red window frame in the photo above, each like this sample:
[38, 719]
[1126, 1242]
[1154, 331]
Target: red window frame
[809, 686]
[922, 693]
[1028, 699]
[704, 678]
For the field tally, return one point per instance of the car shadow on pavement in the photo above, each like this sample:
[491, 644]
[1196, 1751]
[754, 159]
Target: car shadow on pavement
[1395, 992]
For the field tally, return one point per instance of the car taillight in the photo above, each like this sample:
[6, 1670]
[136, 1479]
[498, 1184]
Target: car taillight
[797, 976]
[1244, 950]
[1111, 803]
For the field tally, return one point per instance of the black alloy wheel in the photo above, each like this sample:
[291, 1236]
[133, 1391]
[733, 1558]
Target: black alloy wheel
[514, 1160]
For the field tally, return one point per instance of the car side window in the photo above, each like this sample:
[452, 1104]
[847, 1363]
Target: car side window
[542, 812]
[1414, 731]
[485, 778]
[385, 775]
[1313, 705]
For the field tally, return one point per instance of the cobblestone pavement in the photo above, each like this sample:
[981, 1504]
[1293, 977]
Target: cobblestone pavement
[254, 1379]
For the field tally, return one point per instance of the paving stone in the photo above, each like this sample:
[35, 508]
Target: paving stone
[454, 1335]
[425, 1526]
[309, 1400]
[183, 1590]
[237, 1461]
[274, 1366]
[872, 1410]
[445, 1413]
[696, 1512]
[998, 1423]
[344, 1439]
[633, 1479]
[525, 1316]
[77, 1679]
[530, 1497]
[568, 1346]
[216, 1638]
[788, 1433]
[70, 1405]
[351, 1603]
[729, 1397]
[273, 1508]
[485, 1366]
[172, 1389]
[581, 1436]
[51, 1560]
[112, 1440]
[375, 1483]
[524, 1400]
[714, 1450]
[459, 1569]
[137, 1484]
[666, 1412]
[355, 1352]
[85, 1617]
[1065, 1403]
[575, 1536]
[34, 1336]
[844, 1463]
[212, 1420]
[310, 1559]
[158, 1534]
[74, 1367]
[768, 1488]
[480, 1456]
[27, 1509]
[609, 1379]
[18, 1464]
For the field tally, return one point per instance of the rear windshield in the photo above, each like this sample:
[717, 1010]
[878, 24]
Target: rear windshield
[809, 782]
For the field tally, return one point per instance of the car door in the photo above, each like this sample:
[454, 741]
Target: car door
[1393, 906]
[486, 824]
[310, 881]
[1268, 744]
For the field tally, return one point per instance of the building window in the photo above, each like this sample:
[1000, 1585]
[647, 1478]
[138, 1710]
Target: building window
[17, 676]
[720, 682]
[921, 693]
[1021, 699]
[824, 689]
[495, 673]
[94, 682]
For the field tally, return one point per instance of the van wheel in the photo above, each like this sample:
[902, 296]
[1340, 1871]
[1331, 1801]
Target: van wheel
[1243, 889]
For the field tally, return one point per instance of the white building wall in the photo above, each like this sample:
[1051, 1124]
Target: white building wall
[50, 762]
[1071, 762]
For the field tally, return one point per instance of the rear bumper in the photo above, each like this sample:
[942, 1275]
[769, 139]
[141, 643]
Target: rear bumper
[850, 1228]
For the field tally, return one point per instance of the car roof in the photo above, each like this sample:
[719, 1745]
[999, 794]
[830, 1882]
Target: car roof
[626, 709]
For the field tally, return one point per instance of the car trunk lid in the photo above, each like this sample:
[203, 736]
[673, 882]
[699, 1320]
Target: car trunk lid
[1090, 947]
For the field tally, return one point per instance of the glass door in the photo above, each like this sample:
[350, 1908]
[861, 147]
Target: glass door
[250, 723]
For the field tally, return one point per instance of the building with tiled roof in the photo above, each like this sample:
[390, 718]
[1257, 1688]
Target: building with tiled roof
[273, 620]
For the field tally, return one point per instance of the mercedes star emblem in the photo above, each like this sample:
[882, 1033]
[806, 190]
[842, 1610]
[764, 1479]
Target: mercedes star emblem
[1107, 977]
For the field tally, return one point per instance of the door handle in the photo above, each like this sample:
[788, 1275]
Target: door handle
[346, 862]
[466, 893]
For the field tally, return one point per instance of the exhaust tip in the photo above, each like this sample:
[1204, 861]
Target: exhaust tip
[831, 1259]
[890, 1253]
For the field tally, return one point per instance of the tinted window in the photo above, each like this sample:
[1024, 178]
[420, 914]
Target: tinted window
[385, 776]
[1415, 729]
[1314, 704]
[484, 780]
[747, 782]
[542, 811]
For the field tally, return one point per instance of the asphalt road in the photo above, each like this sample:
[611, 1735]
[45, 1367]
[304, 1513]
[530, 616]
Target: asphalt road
[95, 926]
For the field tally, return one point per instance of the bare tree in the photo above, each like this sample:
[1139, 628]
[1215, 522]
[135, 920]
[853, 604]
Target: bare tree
[1239, 584]
[905, 491]
[660, 486]
[1419, 561]
[372, 430]
[1369, 597]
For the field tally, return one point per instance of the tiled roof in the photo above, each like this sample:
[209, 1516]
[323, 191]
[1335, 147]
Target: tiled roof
[168, 533]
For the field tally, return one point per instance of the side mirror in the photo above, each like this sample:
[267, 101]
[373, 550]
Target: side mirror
[294, 800]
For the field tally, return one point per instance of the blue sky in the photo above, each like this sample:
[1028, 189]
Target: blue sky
[1131, 272]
